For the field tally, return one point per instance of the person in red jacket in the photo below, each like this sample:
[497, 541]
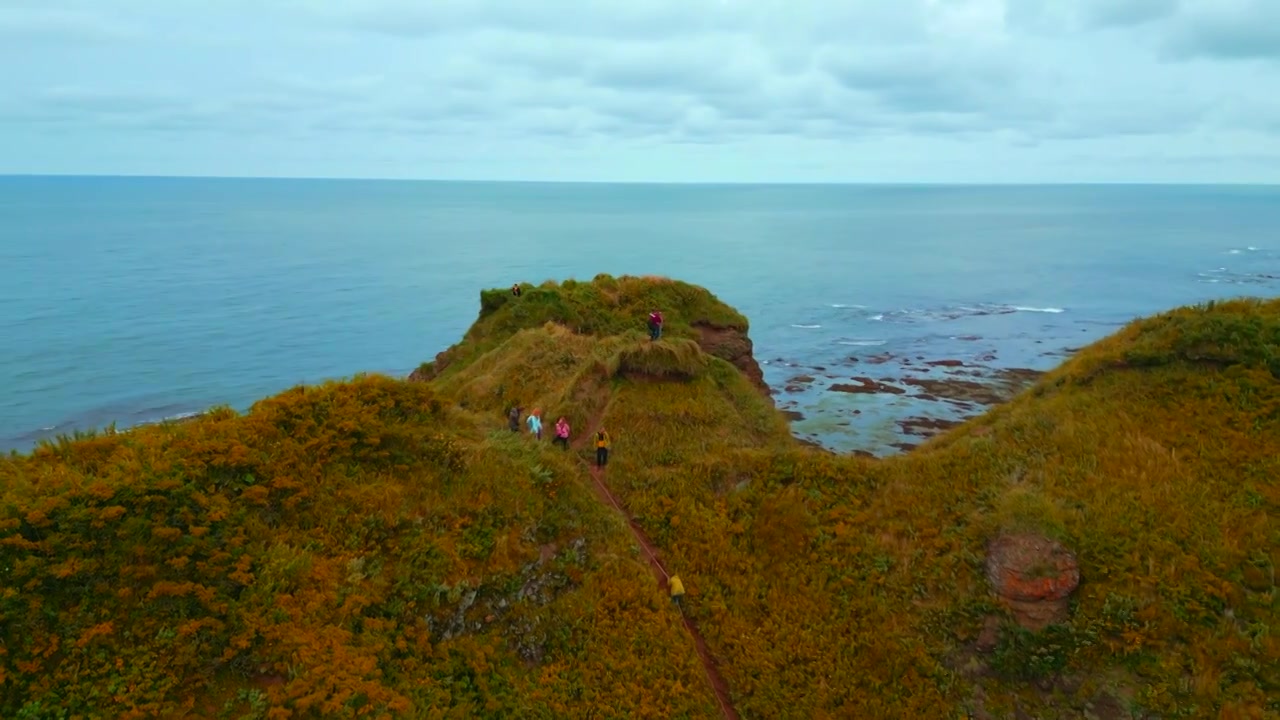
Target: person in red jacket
[655, 325]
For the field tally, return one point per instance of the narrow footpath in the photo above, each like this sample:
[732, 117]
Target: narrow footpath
[709, 665]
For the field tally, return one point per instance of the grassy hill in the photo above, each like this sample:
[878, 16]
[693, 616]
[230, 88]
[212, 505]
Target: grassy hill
[386, 548]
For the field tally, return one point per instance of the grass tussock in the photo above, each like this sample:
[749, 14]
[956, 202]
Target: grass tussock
[386, 548]
[678, 359]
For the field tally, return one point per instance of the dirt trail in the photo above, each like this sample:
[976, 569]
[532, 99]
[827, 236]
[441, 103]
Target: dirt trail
[709, 665]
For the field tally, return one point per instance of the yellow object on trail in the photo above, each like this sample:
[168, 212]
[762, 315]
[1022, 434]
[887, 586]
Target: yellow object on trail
[677, 588]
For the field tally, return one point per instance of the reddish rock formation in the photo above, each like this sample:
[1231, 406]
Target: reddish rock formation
[734, 346]
[421, 374]
[1034, 577]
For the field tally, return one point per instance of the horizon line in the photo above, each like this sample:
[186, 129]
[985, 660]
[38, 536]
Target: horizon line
[880, 183]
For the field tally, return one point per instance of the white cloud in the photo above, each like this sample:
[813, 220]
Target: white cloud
[42, 24]
[649, 89]
[1229, 29]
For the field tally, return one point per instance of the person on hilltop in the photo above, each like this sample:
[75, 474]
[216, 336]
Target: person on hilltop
[515, 289]
[535, 423]
[602, 448]
[562, 432]
[513, 418]
[655, 325]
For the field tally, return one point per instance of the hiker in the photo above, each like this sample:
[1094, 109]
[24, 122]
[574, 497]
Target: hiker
[602, 448]
[655, 325]
[562, 432]
[513, 418]
[515, 289]
[535, 423]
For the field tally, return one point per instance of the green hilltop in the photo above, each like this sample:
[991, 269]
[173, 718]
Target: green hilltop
[1105, 545]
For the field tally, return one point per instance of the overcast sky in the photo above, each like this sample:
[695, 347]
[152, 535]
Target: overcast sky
[679, 90]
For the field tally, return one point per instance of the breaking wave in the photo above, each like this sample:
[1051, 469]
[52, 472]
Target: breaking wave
[1232, 277]
[956, 312]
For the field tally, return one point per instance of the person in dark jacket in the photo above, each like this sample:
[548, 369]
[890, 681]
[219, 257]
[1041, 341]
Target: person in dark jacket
[602, 448]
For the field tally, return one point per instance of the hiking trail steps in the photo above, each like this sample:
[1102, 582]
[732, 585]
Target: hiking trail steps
[599, 484]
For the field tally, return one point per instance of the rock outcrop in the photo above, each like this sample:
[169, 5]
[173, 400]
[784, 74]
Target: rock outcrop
[1034, 577]
[423, 373]
[733, 345]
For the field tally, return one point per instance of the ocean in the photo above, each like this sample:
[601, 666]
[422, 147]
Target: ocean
[131, 300]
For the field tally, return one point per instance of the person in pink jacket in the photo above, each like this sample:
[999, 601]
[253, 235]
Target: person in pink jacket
[562, 432]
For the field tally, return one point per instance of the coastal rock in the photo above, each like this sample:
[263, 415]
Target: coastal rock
[925, 426]
[815, 445]
[868, 386]
[956, 389]
[1018, 377]
[734, 346]
[1033, 576]
[1000, 386]
[424, 372]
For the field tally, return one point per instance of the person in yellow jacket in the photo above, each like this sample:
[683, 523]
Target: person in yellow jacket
[602, 447]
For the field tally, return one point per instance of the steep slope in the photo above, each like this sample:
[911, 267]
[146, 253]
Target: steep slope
[345, 550]
[386, 548]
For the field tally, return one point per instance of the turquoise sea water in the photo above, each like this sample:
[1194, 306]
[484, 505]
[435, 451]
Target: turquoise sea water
[129, 300]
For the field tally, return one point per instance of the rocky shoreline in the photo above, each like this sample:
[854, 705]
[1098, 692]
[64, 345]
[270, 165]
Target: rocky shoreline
[886, 402]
